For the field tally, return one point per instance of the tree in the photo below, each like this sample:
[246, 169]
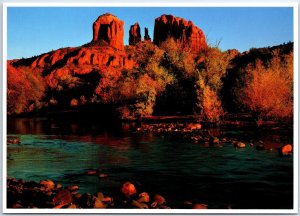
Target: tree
[25, 89]
[268, 89]
[137, 89]
[209, 83]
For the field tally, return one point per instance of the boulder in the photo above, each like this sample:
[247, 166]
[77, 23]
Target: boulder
[181, 30]
[134, 34]
[63, 197]
[144, 197]
[286, 150]
[98, 203]
[110, 29]
[73, 189]
[47, 184]
[160, 200]
[128, 189]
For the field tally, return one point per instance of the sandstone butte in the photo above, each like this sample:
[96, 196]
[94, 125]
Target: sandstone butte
[110, 29]
[146, 36]
[183, 31]
[134, 34]
[106, 50]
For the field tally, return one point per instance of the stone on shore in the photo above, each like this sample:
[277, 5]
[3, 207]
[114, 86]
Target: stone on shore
[47, 184]
[63, 197]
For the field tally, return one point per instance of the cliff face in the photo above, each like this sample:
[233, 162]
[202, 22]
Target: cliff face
[110, 29]
[183, 31]
[94, 56]
[134, 34]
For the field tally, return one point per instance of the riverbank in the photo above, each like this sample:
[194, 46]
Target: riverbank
[47, 194]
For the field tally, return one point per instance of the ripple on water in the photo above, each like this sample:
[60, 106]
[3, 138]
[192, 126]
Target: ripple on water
[179, 170]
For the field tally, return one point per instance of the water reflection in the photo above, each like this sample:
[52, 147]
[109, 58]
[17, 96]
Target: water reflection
[179, 170]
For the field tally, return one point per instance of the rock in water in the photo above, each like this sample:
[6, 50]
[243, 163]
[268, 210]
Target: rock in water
[286, 150]
[134, 34]
[128, 189]
[102, 175]
[239, 145]
[13, 140]
[110, 29]
[91, 172]
[181, 30]
[214, 141]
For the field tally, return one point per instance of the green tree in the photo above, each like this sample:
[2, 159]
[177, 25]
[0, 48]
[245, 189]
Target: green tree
[209, 83]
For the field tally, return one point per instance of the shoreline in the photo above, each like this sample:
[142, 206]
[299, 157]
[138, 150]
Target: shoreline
[49, 195]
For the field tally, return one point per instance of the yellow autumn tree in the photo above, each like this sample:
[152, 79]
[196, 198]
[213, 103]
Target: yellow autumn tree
[209, 83]
[268, 90]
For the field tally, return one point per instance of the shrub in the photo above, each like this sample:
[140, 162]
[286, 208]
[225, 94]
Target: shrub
[268, 89]
[25, 89]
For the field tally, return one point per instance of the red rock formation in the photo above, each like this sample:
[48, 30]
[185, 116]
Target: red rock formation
[185, 32]
[146, 36]
[110, 29]
[134, 34]
[93, 56]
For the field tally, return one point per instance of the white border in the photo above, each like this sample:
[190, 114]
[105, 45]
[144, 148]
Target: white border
[113, 3]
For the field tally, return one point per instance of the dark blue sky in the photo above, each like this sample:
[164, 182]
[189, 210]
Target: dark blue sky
[32, 31]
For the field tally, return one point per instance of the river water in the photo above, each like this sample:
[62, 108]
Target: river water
[180, 170]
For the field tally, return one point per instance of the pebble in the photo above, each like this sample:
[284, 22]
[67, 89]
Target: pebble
[91, 172]
[103, 175]
[199, 206]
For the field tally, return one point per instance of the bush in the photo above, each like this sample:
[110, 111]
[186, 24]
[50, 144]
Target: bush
[268, 89]
[25, 89]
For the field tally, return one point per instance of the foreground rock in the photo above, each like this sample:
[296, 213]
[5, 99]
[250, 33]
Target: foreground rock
[47, 194]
